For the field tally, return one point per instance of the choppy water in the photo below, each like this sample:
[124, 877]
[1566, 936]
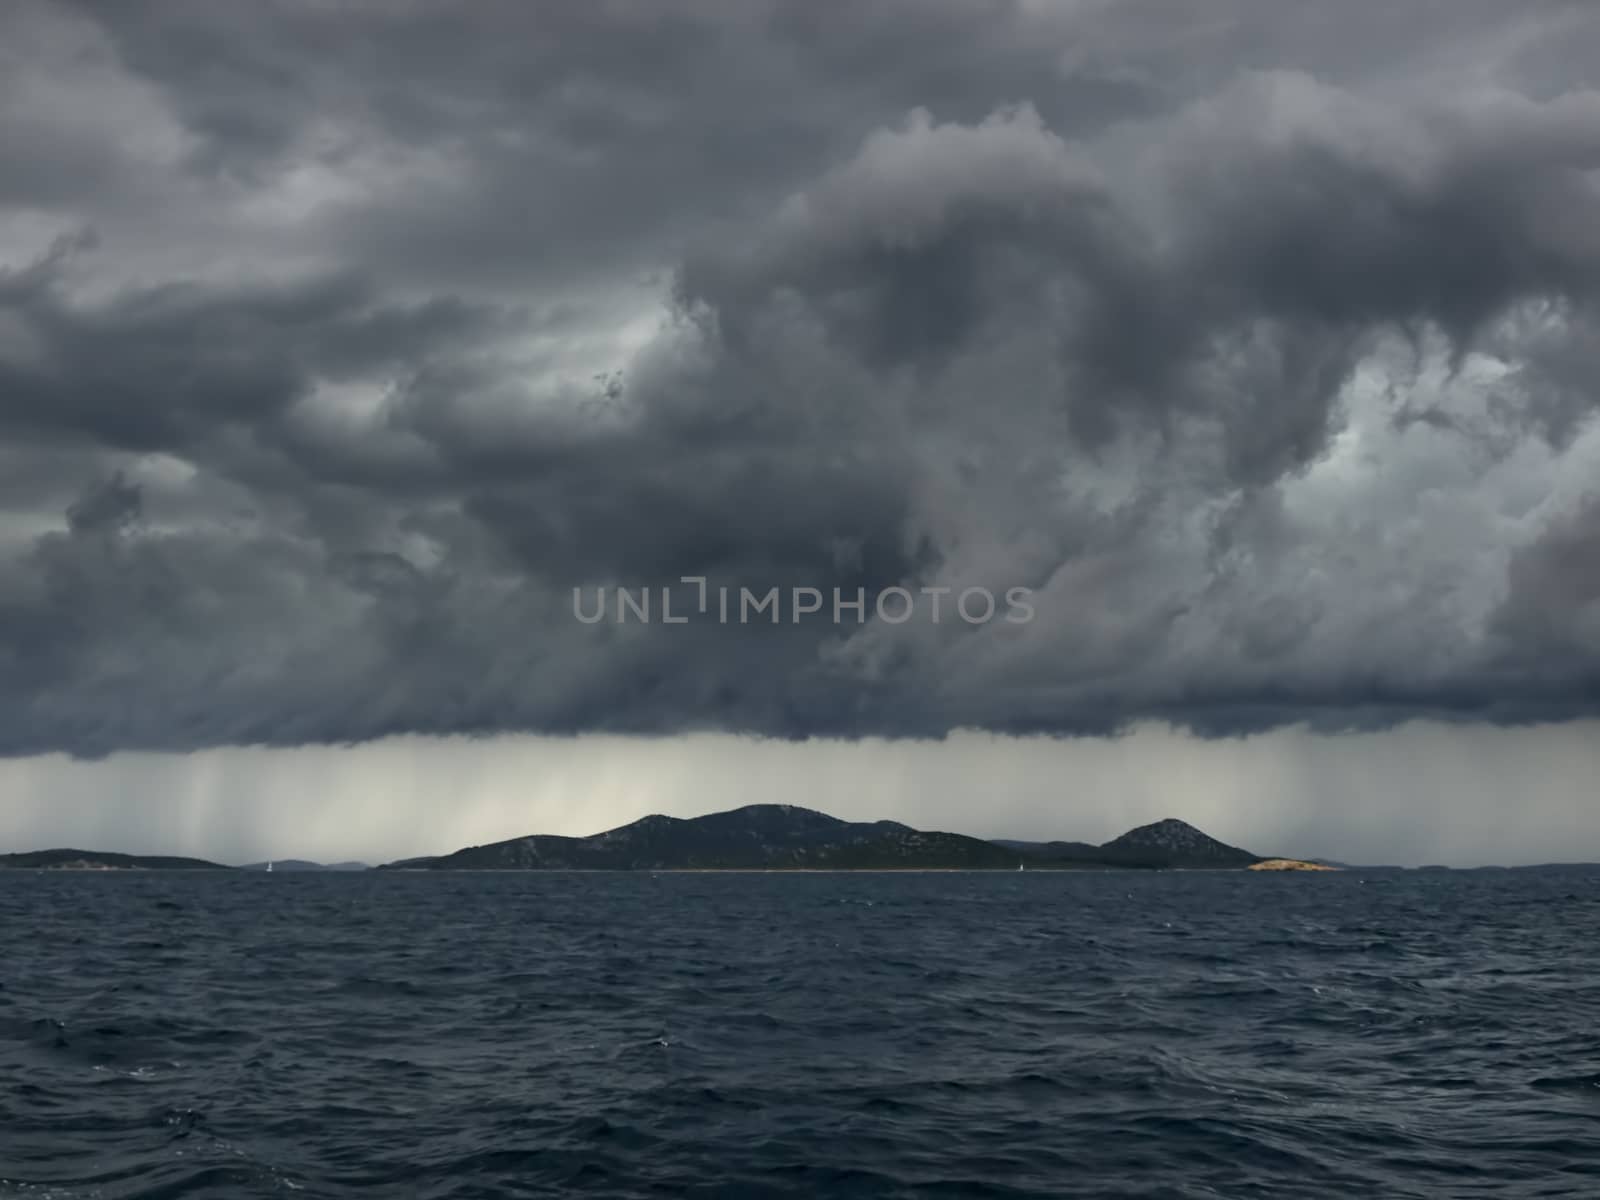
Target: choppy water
[1096, 1035]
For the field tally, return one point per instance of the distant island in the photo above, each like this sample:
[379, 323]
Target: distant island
[106, 860]
[758, 837]
[101, 860]
[303, 864]
[781, 837]
[1289, 864]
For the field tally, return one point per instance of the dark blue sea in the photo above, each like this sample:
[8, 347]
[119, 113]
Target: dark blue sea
[1384, 1034]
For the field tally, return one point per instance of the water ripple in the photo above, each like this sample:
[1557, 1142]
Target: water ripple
[1166, 1035]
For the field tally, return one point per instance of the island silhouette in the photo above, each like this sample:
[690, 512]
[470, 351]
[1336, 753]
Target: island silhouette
[771, 837]
[760, 837]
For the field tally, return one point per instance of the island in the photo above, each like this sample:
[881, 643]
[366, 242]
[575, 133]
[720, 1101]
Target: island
[303, 864]
[782, 837]
[757, 837]
[102, 860]
[1289, 864]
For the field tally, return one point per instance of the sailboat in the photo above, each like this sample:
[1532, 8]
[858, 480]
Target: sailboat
[269, 868]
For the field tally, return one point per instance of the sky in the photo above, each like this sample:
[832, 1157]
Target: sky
[342, 346]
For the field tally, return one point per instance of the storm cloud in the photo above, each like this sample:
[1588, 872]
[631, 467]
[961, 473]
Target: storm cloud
[340, 344]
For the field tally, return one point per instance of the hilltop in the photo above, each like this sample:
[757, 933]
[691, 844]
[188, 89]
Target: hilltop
[1172, 843]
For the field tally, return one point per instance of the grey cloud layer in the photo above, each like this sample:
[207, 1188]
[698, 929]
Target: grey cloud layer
[338, 344]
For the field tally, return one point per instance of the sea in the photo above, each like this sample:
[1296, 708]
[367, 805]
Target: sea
[1074, 1034]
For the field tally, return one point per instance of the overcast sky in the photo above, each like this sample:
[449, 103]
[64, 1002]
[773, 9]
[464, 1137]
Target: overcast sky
[340, 342]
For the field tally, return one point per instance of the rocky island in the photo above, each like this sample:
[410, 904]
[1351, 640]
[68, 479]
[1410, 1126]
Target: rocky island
[781, 837]
[1289, 864]
[102, 860]
[303, 864]
[758, 837]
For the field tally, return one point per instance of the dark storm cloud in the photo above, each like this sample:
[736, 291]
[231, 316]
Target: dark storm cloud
[573, 139]
[356, 337]
[1551, 613]
[159, 366]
